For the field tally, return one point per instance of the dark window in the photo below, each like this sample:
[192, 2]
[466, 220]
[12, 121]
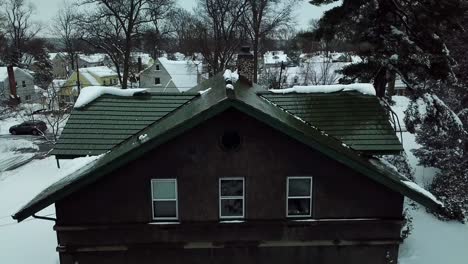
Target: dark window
[299, 197]
[157, 67]
[231, 198]
[23, 83]
[164, 196]
[230, 140]
[157, 81]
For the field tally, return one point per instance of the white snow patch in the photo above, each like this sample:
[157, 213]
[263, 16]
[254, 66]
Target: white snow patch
[143, 138]
[93, 92]
[423, 191]
[229, 86]
[31, 241]
[364, 88]
[231, 76]
[204, 91]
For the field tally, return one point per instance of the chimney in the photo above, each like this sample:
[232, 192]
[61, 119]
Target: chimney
[140, 67]
[12, 82]
[245, 65]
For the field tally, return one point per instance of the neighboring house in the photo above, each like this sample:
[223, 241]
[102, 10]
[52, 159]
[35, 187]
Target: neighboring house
[24, 84]
[273, 59]
[92, 76]
[93, 60]
[60, 64]
[230, 176]
[171, 76]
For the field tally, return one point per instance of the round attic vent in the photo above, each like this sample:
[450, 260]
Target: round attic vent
[230, 140]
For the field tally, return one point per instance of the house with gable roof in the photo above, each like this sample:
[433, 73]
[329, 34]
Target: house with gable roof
[91, 76]
[228, 172]
[171, 76]
[24, 84]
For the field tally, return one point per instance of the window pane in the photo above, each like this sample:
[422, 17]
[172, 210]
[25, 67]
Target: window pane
[298, 206]
[231, 207]
[165, 209]
[299, 187]
[164, 190]
[232, 188]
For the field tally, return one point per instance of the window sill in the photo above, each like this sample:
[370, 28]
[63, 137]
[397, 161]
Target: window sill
[231, 221]
[163, 223]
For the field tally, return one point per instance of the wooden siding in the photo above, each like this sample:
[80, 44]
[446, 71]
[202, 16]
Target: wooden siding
[113, 214]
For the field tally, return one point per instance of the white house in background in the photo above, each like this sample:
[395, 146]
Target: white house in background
[274, 58]
[24, 84]
[171, 76]
[92, 60]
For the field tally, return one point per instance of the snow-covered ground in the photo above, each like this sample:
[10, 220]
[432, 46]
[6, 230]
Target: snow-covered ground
[432, 241]
[31, 241]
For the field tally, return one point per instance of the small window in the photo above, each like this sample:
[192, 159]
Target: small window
[164, 196]
[231, 198]
[105, 82]
[296, 79]
[299, 197]
[157, 67]
[157, 81]
[230, 140]
[28, 97]
[23, 83]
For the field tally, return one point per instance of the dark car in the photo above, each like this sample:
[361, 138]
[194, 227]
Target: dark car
[29, 127]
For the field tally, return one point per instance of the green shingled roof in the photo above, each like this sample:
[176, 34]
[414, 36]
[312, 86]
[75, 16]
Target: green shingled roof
[357, 120]
[210, 104]
[110, 120]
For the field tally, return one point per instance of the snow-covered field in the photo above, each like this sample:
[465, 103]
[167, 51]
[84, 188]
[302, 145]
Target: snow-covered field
[34, 241]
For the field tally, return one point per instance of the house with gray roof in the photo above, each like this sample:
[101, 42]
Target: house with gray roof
[24, 84]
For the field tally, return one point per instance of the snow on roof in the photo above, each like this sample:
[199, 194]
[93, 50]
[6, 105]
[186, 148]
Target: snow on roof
[275, 57]
[52, 55]
[423, 191]
[364, 88]
[99, 71]
[231, 76]
[93, 58]
[4, 72]
[91, 93]
[145, 57]
[184, 74]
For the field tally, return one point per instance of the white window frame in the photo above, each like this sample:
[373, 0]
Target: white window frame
[153, 199]
[231, 197]
[299, 197]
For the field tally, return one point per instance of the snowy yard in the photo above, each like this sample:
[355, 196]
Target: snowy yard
[34, 241]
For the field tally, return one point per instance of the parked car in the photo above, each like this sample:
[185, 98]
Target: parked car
[29, 127]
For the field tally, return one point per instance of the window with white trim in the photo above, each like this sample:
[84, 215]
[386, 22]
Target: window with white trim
[164, 197]
[231, 198]
[299, 197]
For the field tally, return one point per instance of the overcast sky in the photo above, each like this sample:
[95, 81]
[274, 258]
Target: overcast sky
[47, 9]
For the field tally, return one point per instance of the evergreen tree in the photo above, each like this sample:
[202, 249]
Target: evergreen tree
[43, 69]
[412, 39]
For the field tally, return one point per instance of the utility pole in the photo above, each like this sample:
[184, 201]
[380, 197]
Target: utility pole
[281, 74]
[78, 84]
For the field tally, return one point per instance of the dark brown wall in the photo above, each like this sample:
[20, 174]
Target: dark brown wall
[246, 255]
[265, 159]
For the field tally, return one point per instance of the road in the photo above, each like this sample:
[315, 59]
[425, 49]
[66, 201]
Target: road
[18, 150]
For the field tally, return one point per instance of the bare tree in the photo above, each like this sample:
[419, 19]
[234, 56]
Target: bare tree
[320, 73]
[264, 17]
[219, 31]
[56, 115]
[19, 26]
[65, 26]
[115, 26]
